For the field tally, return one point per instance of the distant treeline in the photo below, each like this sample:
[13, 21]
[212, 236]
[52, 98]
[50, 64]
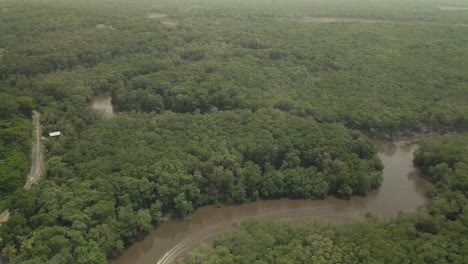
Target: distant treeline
[385, 79]
[219, 104]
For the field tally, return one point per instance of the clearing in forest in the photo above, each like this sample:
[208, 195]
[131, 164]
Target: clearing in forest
[371, 21]
[342, 20]
[156, 15]
[104, 26]
[4, 216]
[453, 8]
[169, 23]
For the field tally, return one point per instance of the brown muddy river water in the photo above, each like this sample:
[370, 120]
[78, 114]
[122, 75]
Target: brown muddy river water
[403, 189]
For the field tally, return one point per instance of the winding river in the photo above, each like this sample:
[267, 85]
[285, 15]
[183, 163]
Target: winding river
[403, 189]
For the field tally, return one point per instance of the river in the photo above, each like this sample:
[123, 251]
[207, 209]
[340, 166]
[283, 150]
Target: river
[403, 189]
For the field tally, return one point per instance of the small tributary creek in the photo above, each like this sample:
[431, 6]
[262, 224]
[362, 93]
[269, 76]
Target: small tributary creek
[403, 189]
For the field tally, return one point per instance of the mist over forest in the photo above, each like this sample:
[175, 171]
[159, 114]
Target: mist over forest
[224, 103]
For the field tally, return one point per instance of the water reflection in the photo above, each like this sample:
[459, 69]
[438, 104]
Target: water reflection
[403, 189]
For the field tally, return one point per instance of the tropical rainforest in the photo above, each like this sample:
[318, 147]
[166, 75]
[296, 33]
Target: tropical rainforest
[227, 102]
[433, 234]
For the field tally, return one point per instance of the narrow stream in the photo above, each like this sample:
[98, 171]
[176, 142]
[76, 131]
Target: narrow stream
[403, 189]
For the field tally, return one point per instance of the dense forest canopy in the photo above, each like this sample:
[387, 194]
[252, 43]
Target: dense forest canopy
[15, 140]
[402, 70]
[219, 102]
[123, 175]
[431, 235]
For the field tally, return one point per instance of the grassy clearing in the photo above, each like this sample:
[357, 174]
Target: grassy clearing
[156, 15]
[170, 23]
[453, 8]
[4, 216]
[104, 26]
[342, 20]
[372, 21]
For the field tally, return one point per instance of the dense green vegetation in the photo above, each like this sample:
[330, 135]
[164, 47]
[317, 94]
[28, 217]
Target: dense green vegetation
[123, 175]
[431, 235]
[15, 141]
[445, 159]
[383, 78]
[219, 102]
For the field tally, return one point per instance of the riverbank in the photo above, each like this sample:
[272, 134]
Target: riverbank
[432, 235]
[404, 189]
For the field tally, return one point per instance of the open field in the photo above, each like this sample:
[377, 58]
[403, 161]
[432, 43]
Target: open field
[4, 216]
[156, 15]
[104, 26]
[453, 8]
[169, 23]
[372, 21]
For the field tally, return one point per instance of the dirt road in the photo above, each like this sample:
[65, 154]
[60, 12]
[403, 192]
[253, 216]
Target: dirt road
[36, 161]
[36, 153]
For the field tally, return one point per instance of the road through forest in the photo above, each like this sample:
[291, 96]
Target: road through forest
[37, 160]
[36, 153]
